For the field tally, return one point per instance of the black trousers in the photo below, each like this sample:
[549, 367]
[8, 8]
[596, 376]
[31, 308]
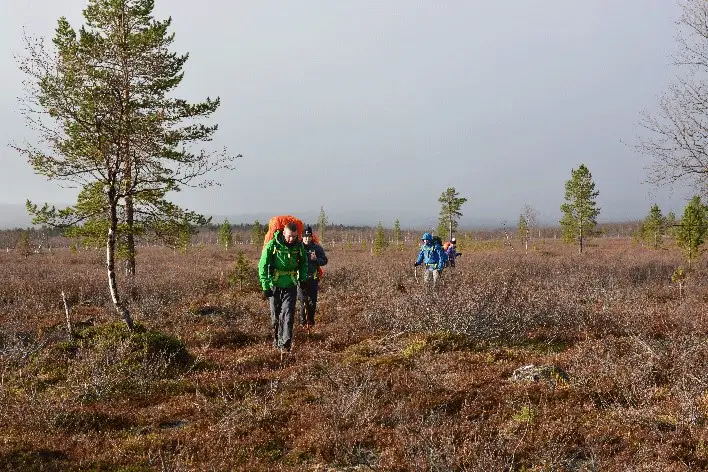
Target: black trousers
[307, 301]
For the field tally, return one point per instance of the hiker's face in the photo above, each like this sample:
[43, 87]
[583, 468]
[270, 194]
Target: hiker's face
[290, 236]
[306, 239]
[426, 241]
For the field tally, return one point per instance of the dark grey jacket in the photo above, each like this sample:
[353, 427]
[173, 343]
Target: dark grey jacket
[321, 258]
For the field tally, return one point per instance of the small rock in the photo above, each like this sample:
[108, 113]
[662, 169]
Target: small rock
[548, 373]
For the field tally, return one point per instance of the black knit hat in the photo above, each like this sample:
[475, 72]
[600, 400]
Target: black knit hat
[308, 231]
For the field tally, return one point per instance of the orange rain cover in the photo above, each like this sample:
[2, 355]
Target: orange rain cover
[446, 245]
[277, 223]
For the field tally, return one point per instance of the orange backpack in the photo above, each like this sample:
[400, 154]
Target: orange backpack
[277, 223]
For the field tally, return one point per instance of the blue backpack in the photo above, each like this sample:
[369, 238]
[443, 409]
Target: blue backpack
[437, 243]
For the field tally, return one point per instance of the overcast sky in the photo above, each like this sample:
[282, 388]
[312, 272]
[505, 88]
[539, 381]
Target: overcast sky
[371, 109]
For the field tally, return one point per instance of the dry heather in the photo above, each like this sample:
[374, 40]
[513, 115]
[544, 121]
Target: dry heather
[393, 378]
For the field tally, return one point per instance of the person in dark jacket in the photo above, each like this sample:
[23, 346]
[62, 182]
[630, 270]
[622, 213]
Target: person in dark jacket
[452, 253]
[307, 290]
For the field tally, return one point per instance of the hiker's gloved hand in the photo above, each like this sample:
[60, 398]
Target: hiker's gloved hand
[267, 294]
[458, 254]
[302, 285]
[416, 264]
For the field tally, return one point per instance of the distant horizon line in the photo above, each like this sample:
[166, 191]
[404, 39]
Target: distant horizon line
[15, 216]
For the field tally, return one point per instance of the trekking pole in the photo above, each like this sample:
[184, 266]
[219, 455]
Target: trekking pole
[415, 273]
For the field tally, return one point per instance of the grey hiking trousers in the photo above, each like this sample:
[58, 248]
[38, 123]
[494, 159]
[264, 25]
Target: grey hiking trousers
[431, 276]
[282, 315]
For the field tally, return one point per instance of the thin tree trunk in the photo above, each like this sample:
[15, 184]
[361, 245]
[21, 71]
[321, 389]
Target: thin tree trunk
[690, 254]
[110, 264]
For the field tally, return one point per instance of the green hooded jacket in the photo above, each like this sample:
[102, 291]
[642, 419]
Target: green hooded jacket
[280, 265]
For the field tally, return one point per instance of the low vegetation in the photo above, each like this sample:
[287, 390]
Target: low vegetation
[392, 378]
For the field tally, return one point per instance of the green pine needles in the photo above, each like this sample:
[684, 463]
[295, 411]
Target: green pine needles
[224, 236]
[450, 213]
[691, 231]
[653, 227]
[580, 209]
[380, 242]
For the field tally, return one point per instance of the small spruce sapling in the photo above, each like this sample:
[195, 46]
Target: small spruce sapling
[242, 271]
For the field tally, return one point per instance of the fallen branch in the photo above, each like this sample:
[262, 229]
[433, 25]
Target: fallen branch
[68, 316]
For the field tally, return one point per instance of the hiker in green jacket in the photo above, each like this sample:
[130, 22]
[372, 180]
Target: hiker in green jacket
[283, 265]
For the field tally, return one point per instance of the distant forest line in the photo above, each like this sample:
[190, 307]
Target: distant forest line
[335, 233]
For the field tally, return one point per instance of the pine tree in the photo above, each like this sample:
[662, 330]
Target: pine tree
[450, 211]
[321, 225]
[225, 238]
[441, 230]
[257, 233]
[397, 232]
[653, 227]
[690, 233]
[184, 233]
[22, 246]
[579, 209]
[671, 224]
[241, 272]
[103, 103]
[380, 242]
[524, 231]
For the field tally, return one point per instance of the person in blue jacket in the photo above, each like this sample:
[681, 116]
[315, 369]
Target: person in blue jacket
[431, 256]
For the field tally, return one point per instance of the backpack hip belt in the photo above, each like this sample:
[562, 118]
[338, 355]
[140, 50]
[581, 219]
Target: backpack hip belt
[277, 273]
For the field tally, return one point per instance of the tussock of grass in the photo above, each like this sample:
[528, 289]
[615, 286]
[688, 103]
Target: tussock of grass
[141, 342]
